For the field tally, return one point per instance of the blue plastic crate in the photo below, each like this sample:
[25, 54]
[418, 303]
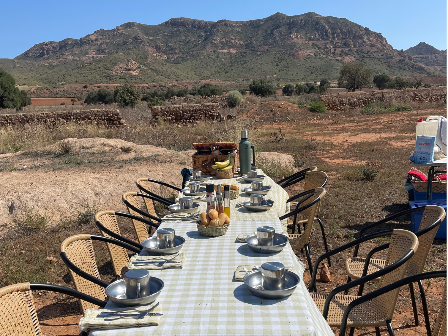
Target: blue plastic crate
[416, 217]
[421, 196]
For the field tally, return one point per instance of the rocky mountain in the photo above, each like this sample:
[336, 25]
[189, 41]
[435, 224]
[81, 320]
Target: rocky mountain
[287, 48]
[428, 56]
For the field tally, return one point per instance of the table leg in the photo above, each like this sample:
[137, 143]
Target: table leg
[430, 177]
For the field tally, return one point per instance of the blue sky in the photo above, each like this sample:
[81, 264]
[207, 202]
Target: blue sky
[25, 23]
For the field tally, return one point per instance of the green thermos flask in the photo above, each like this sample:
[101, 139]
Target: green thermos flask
[244, 148]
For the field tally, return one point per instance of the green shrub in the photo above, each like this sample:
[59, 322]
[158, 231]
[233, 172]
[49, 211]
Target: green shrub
[155, 101]
[288, 90]
[126, 95]
[234, 98]
[208, 90]
[301, 89]
[262, 87]
[242, 91]
[317, 106]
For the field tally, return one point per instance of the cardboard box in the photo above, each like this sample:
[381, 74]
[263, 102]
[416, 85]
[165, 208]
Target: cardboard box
[424, 149]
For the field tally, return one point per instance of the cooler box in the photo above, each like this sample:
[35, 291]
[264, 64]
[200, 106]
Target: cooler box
[417, 216]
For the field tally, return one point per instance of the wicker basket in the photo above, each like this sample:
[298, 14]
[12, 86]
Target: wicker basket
[212, 231]
[224, 174]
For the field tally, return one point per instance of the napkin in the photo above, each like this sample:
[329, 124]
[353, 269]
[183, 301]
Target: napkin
[116, 318]
[242, 270]
[155, 262]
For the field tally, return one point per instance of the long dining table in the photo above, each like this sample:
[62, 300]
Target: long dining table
[203, 297]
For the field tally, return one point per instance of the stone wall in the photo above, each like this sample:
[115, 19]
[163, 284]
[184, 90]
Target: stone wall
[343, 100]
[111, 118]
[186, 113]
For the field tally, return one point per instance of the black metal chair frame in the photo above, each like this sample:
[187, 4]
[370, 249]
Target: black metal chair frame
[359, 282]
[124, 239]
[88, 276]
[406, 281]
[161, 199]
[324, 237]
[69, 291]
[385, 246]
[144, 213]
[306, 195]
[293, 178]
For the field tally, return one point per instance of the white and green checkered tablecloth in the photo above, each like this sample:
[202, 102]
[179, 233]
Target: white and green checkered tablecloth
[277, 194]
[203, 299]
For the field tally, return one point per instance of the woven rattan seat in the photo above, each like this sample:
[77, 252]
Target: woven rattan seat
[144, 185]
[78, 254]
[379, 310]
[369, 314]
[309, 202]
[432, 213]
[139, 205]
[17, 312]
[79, 250]
[119, 255]
[355, 266]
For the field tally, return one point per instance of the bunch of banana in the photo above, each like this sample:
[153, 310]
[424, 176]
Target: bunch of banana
[225, 165]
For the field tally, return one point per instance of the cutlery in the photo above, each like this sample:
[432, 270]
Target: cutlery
[136, 315]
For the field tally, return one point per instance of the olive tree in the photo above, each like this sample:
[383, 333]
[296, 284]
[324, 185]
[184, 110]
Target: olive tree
[10, 96]
[126, 95]
[354, 76]
[262, 87]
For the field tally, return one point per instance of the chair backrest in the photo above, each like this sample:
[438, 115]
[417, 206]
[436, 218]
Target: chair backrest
[431, 214]
[17, 312]
[314, 179]
[310, 215]
[118, 254]
[136, 201]
[79, 251]
[401, 242]
[143, 182]
[440, 325]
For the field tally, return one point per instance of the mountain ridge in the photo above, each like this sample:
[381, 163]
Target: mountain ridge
[288, 48]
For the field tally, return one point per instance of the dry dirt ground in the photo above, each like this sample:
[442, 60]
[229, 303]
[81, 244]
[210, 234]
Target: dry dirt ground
[52, 182]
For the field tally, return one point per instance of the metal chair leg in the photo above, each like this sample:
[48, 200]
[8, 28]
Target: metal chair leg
[324, 238]
[414, 305]
[348, 280]
[308, 257]
[352, 330]
[377, 331]
[425, 307]
[389, 328]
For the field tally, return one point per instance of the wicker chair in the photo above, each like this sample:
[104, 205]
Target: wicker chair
[432, 216]
[142, 205]
[294, 178]
[144, 185]
[308, 202]
[440, 323]
[107, 223]
[313, 179]
[78, 255]
[17, 312]
[378, 311]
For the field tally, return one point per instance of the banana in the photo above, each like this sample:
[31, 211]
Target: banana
[221, 165]
[231, 163]
[227, 168]
[215, 167]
